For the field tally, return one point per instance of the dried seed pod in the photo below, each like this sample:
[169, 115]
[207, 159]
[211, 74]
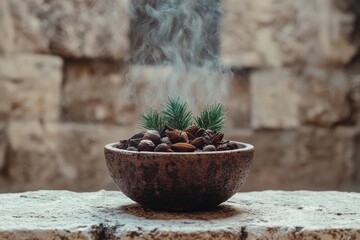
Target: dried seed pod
[162, 147]
[222, 147]
[217, 137]
[165, 140]
[177, 140]
[209, 148]
[182, 147]
[184, 136]
[146, 145]
[123, 144]
[200, 132]
[138, 135]
[192, 129]
[209, 132]
[164, 131]
[190, 136]
[177, 136]
[198, 142]
[153, 136]
[173, 134]
[132, 148]
[134, 142]
[232, 145]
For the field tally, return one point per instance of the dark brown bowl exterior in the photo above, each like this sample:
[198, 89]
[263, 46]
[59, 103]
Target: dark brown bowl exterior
[179, 181]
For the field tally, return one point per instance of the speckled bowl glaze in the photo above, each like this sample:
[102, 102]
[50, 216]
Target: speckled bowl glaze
[179, 181]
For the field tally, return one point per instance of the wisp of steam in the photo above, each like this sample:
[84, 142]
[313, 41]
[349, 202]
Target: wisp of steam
[175, 52]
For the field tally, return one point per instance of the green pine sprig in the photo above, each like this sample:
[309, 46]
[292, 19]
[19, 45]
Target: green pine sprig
[176, 114]
[212, 117]
[152, 120]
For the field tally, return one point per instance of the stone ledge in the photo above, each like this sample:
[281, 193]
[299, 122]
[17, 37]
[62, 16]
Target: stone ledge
[111, 215]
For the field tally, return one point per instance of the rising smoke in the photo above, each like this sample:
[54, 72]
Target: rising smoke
[175, 51]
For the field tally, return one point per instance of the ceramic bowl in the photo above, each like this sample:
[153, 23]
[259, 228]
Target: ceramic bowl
[179, 181]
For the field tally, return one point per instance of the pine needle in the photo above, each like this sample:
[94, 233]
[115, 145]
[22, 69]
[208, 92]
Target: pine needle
[152, 120]
[212, 117]
[176, 114]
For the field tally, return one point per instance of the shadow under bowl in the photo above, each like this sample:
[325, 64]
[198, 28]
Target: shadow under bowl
[179, 181]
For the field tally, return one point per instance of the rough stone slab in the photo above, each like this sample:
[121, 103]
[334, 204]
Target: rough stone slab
[75, 29]
[2, 145]
[275, 99]
[6, 28]
[286, 98]
[284, 32]
[306, 158]
[355, 96]
[110, 215]
[59, 156]
[324, 97]
[30, 86]
[238, 104]
[98, 92]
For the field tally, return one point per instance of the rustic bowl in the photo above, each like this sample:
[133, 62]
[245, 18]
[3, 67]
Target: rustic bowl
[179, 181]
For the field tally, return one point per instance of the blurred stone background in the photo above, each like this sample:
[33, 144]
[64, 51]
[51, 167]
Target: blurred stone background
[295, 93]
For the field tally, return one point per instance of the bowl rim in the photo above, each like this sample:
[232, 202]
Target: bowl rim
[111, 147]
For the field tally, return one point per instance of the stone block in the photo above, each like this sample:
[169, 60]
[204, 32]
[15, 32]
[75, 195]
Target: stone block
[305, 158]
[6, 28]
[326, 155]
[97, 92]
[30, 86]
[74, 29]
[274, 161]
[275, 99]
[285, 32]
[238, 105]
[354, 98]
[286, 98]
[2, 146]
[324, 100]
[59, 156]
[356, 183]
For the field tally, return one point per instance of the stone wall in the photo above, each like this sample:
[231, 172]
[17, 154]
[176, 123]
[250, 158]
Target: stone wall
[65, 91]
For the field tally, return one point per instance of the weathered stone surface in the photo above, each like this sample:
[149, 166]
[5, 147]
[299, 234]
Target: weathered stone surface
[6, 27]
[306, 158]
[324, 158]
[324, 100]
[76, 29]
[238, 105]
[286, 98]
[59, 156]
[30, 86]
[110, 215]
[275, 99]
[284, 32]
[98, 92]
[2, 145]
[355, 97]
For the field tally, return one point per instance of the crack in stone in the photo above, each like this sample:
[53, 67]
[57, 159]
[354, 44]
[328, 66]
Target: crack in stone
[350, 118]
[103, 232]
[4, 171]
[243, 233]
